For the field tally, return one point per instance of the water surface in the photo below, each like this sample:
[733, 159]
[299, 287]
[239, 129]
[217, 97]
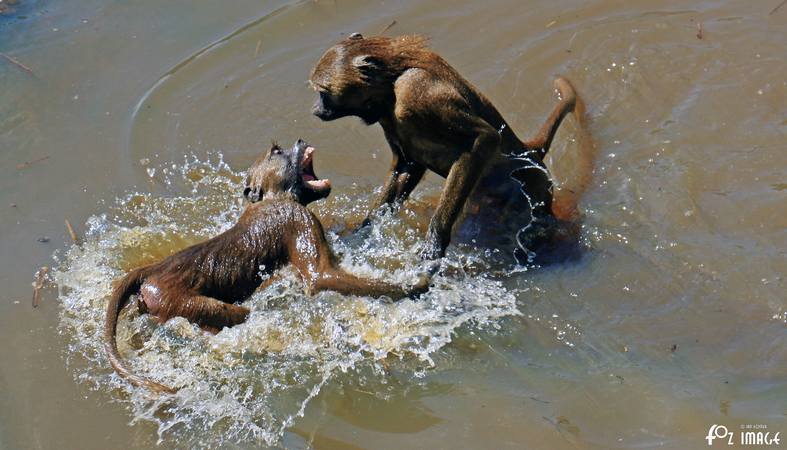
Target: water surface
[138, 120]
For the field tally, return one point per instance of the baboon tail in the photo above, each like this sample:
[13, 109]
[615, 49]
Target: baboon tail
[127, 286]
[575, 183]
[569, 101]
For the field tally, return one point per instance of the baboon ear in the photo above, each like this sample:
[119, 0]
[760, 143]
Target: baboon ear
[371, 67]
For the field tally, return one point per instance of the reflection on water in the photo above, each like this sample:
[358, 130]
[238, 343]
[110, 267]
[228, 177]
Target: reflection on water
[672, 321]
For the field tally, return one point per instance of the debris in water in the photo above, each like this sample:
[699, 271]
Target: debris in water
[17, 63]
[777, 7]
[38, 285]
[6, 6]
[674, 347]
[699, 30]
[388, 27]
[563, 424]
[43, 239]
[27, 164]
[71, 233]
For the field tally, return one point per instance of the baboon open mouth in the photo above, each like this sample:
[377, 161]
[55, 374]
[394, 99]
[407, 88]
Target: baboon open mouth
[307, 172]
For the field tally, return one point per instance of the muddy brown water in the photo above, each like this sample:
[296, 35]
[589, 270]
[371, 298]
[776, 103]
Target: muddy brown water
[674, 319]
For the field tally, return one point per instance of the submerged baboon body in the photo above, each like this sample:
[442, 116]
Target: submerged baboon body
[202, 282]
[497, 186]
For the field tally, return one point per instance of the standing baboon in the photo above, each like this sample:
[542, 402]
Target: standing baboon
[435, 119]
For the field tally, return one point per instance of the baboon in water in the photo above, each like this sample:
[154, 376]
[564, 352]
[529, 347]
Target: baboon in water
[497, 187]
[202, 282]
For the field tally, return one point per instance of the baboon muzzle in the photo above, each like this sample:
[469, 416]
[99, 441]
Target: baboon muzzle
[324, 108]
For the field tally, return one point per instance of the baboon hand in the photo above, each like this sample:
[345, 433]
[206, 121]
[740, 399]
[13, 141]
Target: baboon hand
[421, 286]
[434, 246]
[424, 278]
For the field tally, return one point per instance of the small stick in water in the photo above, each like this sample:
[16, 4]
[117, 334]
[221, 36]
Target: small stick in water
[388, 27]
[777, 7]
[257, 50]
[71, 232]
[699, 30]
[39, 284]
[30, 163]
[17, 64]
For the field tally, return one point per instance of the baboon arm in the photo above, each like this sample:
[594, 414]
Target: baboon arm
[407, 178]
[388, 193]
[336, 279]
[402, 178]
[208, 312]
[461, 180]
[315, 262]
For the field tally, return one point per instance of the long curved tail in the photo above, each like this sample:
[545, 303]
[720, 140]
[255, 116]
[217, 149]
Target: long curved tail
[573, 184]
[569, 101]
[120, 294]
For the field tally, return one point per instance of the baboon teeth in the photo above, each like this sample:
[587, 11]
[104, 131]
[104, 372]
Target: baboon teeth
[307, 171]
[319, 185]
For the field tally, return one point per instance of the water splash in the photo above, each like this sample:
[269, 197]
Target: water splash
[250, 382]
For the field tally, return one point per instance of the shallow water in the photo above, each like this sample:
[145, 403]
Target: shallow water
[147, 113]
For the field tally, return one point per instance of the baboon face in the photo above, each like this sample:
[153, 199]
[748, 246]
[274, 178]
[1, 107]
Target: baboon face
[349, 82]
[286, 171]
[331, 107]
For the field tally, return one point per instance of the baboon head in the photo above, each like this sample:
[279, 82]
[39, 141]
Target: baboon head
[355, 77]
[288, 171]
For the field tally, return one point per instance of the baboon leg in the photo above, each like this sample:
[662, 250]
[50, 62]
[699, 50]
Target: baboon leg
[209, 313]
[461, 180]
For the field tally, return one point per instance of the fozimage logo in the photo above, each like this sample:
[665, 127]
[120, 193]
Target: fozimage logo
[719, 432]
[749, 435]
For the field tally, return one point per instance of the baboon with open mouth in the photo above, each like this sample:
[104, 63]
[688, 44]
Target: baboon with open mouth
[203, 282]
